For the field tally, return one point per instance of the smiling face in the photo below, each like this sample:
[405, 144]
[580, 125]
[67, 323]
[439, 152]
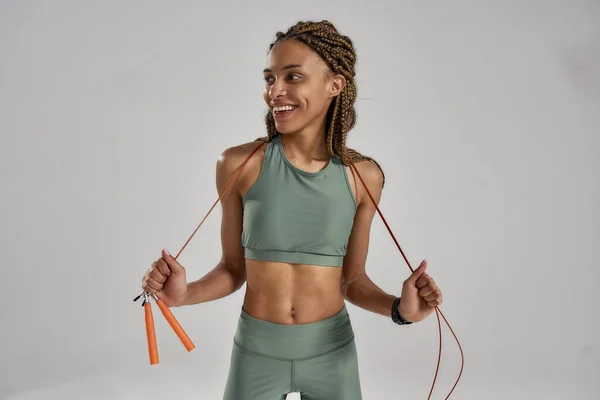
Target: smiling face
[299, 86]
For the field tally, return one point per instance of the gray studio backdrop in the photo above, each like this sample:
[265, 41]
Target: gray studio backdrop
[484, 115]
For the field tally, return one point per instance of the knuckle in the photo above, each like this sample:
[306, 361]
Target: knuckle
[164, 271]
[155, 274]
[155, 288]
[156, 285]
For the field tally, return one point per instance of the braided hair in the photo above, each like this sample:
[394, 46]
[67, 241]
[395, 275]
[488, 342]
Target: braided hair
[338, 52]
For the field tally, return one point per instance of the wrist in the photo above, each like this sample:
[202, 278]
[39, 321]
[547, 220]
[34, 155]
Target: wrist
[398, 315]
[185, 300]
[403, 313]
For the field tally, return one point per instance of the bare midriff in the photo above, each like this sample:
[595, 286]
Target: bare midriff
[291, 294]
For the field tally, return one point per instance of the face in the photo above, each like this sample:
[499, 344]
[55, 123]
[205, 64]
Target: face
[299, 86]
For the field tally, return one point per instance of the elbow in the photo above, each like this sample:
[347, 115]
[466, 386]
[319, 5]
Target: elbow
[347, 282]
[237, 271]
[241, 279]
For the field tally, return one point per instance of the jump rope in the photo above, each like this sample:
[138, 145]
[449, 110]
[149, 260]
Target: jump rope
[149, 319]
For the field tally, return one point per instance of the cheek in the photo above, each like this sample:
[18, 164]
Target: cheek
[309, 98]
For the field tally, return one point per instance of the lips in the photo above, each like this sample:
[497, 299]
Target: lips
[284, 107]
[283, 112]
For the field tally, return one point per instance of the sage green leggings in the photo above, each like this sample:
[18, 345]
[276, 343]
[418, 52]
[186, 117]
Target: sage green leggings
[270, 360]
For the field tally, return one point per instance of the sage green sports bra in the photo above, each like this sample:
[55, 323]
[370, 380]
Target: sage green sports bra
[298, 217]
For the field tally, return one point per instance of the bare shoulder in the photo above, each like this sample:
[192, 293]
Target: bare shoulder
[233, 157]
[373, 178]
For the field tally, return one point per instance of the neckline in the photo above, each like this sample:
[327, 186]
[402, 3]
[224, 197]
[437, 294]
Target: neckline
[293, 167]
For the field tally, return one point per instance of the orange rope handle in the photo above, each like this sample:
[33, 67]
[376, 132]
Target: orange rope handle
[175, 325]
[151, 334]
[150, 331]
[437, 310]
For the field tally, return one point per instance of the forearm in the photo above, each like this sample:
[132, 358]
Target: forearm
[218, 283]
[363, 293]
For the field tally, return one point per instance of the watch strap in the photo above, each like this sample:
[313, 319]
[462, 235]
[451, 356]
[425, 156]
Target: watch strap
[396, 317]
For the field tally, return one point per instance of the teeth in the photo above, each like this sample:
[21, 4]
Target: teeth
[283, 108]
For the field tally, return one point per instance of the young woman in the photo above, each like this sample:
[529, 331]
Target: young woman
[295, 229]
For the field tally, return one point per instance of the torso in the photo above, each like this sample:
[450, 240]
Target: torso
[292, 294]
[288, 293]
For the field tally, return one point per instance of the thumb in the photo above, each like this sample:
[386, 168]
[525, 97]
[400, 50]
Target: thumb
[412, 280]
[173, 264]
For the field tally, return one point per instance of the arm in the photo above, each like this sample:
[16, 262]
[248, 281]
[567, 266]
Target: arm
[230, 273]
[357, 287]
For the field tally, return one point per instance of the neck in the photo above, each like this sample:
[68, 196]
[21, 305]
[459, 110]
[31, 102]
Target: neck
[307, 145]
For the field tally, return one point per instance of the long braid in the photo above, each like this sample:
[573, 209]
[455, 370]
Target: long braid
[338, 52]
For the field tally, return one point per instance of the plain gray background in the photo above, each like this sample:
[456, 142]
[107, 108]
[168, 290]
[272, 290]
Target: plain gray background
[484, 115]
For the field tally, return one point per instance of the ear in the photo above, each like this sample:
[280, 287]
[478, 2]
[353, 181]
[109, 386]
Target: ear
[337, 83]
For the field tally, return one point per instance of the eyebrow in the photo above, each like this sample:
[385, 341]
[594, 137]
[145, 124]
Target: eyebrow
[289, 66]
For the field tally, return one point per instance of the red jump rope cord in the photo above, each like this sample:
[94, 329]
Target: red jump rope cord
[437, 310]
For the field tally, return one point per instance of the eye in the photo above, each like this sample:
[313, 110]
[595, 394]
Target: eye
[291, 77]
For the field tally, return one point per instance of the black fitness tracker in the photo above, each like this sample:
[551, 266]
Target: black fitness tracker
[396, 317]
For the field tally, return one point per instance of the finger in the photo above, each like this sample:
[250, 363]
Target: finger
[162, 266]
[153, 284]
[424, 280]
[157, 276]
[436, 295]
[412, 280]
[148, 288]
[174, 266]
[434, 303]
[427, 290]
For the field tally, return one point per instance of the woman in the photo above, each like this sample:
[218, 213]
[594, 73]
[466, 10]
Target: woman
[295, 229]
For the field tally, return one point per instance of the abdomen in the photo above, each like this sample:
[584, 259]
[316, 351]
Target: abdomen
[292, 293]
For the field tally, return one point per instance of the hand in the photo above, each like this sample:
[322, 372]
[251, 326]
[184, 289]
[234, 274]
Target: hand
[420, 295]
[166, 278]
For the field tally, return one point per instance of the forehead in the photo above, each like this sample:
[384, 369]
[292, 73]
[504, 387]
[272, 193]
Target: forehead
[292, 52]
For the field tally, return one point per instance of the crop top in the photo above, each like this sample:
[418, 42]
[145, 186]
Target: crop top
[295, 216]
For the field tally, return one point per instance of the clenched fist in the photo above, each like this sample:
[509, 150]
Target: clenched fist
[420, 295]
[166, 278]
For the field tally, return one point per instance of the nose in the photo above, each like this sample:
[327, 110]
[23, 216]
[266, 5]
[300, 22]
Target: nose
[277, 89]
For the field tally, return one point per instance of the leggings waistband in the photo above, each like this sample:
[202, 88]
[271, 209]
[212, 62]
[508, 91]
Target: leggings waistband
[293, 341]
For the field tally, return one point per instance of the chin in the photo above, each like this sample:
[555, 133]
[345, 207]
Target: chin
[292, 123]
[283, 130]
[287, 128]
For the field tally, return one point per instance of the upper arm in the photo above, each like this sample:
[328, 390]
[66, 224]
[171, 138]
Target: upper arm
[232, 211]
[358, 243]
